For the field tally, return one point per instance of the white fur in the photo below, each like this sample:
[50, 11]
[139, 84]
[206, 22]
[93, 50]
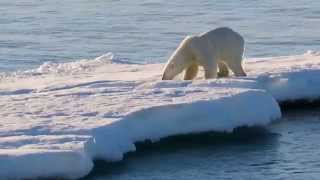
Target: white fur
[220, 47]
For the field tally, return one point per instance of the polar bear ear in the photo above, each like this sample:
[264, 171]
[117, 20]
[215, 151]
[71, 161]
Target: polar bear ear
[188, 37]
[186, 41]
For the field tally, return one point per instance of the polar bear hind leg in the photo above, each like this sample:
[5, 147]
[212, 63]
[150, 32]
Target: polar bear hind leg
[191, 72]
[235, 64]
[223, 70]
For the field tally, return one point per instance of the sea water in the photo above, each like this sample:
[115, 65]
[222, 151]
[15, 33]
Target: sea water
[33, 32]
[287, 149]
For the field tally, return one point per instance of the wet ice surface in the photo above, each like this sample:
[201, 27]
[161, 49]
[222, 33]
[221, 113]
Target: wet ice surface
[287, 149]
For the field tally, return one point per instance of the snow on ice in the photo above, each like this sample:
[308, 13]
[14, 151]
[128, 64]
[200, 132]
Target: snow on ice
[55, 120]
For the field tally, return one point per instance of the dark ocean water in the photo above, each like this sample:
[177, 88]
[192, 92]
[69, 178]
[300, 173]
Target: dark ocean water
[287, 149]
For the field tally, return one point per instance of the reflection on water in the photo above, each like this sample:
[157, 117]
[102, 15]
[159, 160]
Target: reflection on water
[286, 149]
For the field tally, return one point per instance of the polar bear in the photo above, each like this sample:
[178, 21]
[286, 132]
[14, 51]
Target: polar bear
[220, 48]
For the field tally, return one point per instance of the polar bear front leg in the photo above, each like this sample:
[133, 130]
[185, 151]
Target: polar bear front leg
[210, 71]
[191, 72]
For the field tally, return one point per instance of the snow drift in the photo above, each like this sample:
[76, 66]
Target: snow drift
[55, 120]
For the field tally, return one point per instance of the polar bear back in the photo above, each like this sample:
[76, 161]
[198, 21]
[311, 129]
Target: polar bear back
[222, 43]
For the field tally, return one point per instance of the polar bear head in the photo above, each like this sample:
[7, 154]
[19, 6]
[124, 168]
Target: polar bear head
[179, 60]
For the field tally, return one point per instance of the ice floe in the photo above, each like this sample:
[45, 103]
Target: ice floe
[56, 119]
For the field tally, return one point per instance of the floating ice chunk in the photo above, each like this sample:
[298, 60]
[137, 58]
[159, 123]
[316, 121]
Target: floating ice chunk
[105, 58]
[37, 163]
[223, 112]
[63, 116]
